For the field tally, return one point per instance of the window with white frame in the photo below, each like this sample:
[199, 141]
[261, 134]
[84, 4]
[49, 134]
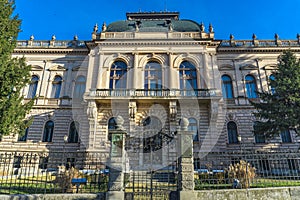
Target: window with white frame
[33, 87]
[153, 76]
[227, 88]
[56, 87]
[118, 75]
[188, 76]
[251, 87]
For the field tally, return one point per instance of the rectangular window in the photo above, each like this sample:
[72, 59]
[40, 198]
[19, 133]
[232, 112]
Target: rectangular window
[260, 139]
[286, 137]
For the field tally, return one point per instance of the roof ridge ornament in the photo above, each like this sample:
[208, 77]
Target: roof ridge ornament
[277, 40]
[202, 27]
[95, 28]
[254, 40]
[232, 42]
[211, 28]
[104, 27]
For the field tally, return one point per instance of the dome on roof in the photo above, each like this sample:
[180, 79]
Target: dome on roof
[153, 26]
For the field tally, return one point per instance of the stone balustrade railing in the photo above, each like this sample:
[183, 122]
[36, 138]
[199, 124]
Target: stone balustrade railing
[153, 93]
[260, 43]
[51, 43]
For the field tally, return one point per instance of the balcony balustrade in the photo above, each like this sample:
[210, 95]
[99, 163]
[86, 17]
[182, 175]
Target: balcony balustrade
[160, 93]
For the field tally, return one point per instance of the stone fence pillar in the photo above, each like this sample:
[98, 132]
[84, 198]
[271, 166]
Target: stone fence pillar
[186, 167]
[117, 161]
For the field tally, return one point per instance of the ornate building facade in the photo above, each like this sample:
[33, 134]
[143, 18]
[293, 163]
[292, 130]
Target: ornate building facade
[152, 70]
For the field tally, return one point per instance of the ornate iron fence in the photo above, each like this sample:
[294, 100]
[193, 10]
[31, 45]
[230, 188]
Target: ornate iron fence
[53, 172]
[247, 169]
[67, 172]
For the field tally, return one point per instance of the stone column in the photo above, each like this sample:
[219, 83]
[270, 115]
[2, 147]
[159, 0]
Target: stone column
[117, 161]
[186, 167]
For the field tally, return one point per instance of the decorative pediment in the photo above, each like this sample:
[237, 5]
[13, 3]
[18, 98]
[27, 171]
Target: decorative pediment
[57, 68]
[248, 67]
[36, 68]
[151, 57]
[79, 68]
[226, 67]
[270, 67]
[114, 57]
[186, 57]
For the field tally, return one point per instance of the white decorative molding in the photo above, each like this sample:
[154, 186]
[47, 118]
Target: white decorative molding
[226, 67]
[187, 57]
[57, 68]
[116, 57]
[248, 67]
[36, 68]
[151, 57]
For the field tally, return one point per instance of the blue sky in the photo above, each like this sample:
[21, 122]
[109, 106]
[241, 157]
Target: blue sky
[65, 18]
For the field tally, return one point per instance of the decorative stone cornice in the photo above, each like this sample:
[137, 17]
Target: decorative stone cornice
[154, 43]
[50, 51]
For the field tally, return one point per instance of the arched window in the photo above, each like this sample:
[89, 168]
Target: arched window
[112, 125]
[251, 87]
[286, 136]
[73, 132]
[79, 88]
[232, 133]
[33, 87]
[188, 76]
[272, 88]
[56, 87]
[153, 76]
[227, 88]
[118, 75]
[48, 131]
[193, 126]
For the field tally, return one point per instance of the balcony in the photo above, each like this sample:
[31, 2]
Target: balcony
[157, 93]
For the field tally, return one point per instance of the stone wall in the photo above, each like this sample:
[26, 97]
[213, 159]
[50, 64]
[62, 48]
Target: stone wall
[286, 193]
[99, 196]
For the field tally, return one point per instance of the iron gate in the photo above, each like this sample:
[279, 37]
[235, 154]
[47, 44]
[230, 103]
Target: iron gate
[152, 185]
[152, 167]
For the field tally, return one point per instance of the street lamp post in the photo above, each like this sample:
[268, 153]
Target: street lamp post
[64, 152]
[239, 138]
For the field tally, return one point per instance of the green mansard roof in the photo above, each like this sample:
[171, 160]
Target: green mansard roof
[153, 22]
